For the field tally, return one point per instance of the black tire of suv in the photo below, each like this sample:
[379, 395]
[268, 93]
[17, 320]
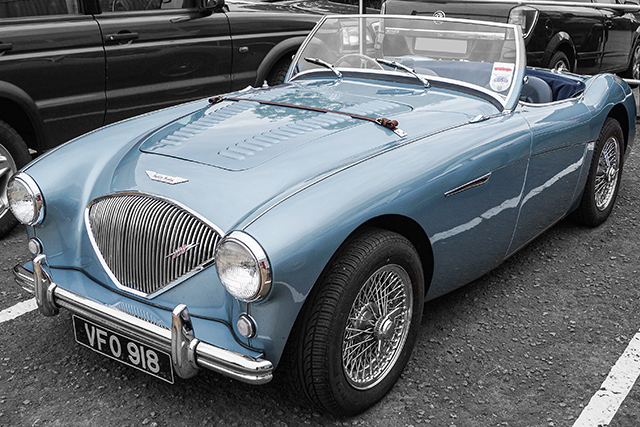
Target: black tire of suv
[279, 71]
[560, 58]
[14, 145]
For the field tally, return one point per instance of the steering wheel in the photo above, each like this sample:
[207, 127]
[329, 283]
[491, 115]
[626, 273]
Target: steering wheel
[349, 58]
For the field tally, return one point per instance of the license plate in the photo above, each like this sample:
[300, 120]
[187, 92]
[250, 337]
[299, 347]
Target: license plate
[123, 349]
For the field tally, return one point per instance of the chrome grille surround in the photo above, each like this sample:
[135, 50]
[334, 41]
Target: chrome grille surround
[148, 244]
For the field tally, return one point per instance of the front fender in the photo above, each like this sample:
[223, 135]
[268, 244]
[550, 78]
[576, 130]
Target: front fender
[16, 96]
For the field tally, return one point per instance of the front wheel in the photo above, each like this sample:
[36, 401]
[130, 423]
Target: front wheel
[13, 155]
[356, 332]
[279, 72]
[604, 176]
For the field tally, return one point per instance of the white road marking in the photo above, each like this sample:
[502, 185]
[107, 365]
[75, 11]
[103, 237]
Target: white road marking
[18, 310]
[605, 403]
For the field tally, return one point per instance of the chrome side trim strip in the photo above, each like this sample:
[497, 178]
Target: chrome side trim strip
[469, 185]
[190, 353]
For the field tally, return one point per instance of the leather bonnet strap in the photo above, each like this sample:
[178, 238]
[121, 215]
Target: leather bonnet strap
[389, 124]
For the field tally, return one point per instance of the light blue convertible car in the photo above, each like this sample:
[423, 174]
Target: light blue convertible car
[303, 226]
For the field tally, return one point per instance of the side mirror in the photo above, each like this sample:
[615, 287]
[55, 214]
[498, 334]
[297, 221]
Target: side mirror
[210, 4]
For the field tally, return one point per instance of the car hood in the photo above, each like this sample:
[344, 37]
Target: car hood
[244, 133]
[251, 155]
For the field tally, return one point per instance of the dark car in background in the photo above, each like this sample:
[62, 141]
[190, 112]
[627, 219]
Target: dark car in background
[70, 66]
[586, 37]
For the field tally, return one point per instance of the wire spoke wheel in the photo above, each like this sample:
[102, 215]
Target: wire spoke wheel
[607, 173]
[605, 170]
[377, 326]
[358, 327]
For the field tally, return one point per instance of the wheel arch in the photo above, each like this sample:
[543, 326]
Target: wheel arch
[619, 112]
[561, 42]
[413, 232]
[20, 111]
[278, 52]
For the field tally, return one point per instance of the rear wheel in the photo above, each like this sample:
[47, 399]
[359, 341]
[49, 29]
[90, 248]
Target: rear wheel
[634, 66]
[560, 62]
[13, 155]
[356, 332]
[604, 176]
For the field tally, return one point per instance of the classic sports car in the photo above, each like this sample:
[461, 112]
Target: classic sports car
[587, 37]
[304, 225]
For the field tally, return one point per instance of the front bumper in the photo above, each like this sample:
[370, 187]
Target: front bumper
[187, 352]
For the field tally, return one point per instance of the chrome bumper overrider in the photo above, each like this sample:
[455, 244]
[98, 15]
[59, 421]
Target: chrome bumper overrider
[187, 352]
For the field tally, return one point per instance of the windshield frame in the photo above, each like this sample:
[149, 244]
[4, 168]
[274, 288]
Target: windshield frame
[507, 102]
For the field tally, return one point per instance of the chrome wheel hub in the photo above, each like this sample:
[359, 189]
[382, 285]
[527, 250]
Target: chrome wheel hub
[377, 327]
[607, 173]
[7, 169]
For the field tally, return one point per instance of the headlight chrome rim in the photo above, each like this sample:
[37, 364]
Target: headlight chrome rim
[253, 248]
[36, 197]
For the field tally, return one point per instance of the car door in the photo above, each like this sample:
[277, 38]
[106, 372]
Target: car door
[619, 28]
[51, 56]
[583, 25]
[162, 52]
[558, 150]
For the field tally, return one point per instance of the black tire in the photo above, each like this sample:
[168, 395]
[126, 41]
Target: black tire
[279, 71]
[559, 61]
[633, 72]
[603, 181]
[317, 358]
[13, 155]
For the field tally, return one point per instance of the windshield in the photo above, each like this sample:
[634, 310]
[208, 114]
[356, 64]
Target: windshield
[485, 56]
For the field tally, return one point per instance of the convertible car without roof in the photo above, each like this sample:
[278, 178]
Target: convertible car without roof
[303, 226]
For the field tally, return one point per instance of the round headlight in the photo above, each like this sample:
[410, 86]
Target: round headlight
[243, 267]
[25, 199]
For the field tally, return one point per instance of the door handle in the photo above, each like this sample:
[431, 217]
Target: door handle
[121, 37]
[4, 47]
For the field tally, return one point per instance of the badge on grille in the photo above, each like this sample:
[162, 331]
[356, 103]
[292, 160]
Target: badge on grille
[165, 178]
[181, 250]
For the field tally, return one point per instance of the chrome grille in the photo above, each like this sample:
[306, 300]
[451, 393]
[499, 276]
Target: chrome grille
[148, 243]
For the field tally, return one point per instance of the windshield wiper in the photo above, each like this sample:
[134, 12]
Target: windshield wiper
[324, 64]
[411, 71]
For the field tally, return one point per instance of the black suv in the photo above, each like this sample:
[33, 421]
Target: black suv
[70, 66]
[583, 36]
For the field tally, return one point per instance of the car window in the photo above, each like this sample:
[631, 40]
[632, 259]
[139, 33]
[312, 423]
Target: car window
[134, 5]
[21, 8]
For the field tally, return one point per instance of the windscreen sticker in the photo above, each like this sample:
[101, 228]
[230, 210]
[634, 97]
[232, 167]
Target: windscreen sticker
[501, 76]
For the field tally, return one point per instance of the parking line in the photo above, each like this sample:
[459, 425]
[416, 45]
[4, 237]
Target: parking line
[605, 403]
[18, 310]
